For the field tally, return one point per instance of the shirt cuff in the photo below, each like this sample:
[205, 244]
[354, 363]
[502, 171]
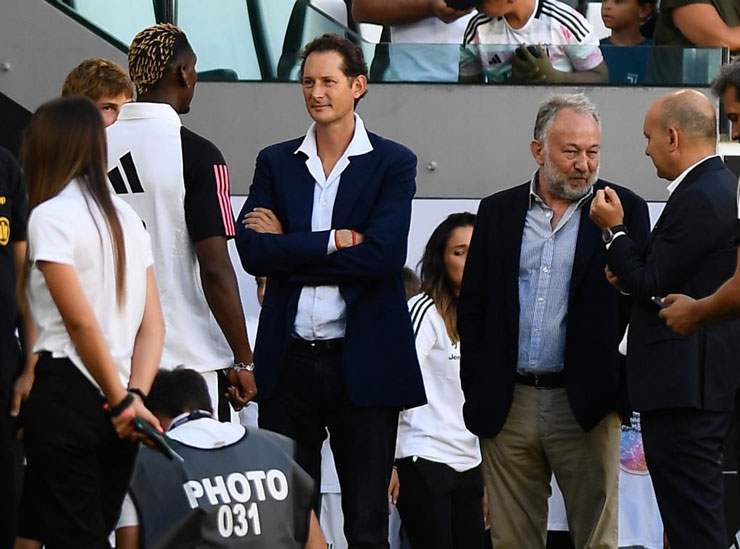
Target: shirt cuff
[332, 245]
[620, 233]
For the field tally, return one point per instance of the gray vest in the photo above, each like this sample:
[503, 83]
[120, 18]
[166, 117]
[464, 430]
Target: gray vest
[250, 494]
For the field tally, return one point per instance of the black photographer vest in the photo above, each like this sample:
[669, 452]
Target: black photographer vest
[250, 494]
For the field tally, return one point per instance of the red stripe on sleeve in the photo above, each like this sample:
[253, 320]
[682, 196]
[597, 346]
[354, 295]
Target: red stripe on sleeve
[222, 192]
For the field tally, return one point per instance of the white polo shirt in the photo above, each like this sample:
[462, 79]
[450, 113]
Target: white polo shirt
[567, 36]
[321, 309]
[436, 431]
[178, 182]
[70, 229]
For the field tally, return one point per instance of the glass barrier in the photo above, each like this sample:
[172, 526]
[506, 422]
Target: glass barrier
[222, 38]
[261, 40]
[117, 20]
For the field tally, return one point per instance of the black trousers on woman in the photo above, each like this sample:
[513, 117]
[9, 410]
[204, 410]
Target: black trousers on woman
[439, 507]
[78, 469]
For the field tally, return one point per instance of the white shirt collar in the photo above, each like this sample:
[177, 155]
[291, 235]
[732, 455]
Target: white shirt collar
[133, 111]
[206, 433]
[360, 143]
[676, 182]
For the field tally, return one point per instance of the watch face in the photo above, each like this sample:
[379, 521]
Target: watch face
[606, 234]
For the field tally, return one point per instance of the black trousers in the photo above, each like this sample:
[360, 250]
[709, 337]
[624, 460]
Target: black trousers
[440, 508]
[683, 449]
[78, 469]
[309, 399]
[10, 472]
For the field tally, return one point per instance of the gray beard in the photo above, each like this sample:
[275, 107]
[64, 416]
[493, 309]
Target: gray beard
[556, 182]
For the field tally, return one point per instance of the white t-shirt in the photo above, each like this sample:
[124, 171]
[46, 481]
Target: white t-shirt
[436, 431]
[70, 229]
[426, 50]
[567, 36]
[178, 183]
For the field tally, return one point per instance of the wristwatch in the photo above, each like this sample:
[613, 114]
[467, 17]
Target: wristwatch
[242, 367]
[608, 234]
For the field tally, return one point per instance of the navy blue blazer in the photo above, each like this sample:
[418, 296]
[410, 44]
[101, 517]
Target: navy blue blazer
[488, 314]
[374, 197]
[692, 250]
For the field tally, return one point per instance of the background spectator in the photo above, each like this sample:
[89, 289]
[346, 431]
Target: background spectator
[411, 282]
[624, 55]
[699, 23]
[436, 27]
[15, 362]
[104, 82]
[563, 47]
[438, 459]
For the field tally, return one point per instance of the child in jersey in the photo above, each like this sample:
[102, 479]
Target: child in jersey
[529, 41]
[627, 50]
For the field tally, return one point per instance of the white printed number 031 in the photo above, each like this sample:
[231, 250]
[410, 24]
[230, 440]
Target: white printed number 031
[238, 520]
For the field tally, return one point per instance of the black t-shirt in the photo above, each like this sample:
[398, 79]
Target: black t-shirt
[13, 220]
[206, 177]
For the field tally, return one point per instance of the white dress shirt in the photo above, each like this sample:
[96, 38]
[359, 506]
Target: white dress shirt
[321, 309]
[676, 182]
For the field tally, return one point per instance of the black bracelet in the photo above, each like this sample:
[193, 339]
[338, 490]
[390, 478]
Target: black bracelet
[116, 410]
[139, 392]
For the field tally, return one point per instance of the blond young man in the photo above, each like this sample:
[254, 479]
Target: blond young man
[104, 82]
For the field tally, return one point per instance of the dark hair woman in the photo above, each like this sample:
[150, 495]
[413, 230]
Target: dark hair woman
[93, 298]
[438, 459]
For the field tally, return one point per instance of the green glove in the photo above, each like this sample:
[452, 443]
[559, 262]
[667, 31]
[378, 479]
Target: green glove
[527, 68]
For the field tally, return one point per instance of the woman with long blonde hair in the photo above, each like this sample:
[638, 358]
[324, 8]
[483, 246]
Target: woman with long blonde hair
[93, 297]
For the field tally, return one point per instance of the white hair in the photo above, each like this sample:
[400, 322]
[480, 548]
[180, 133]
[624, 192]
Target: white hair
[577, 102]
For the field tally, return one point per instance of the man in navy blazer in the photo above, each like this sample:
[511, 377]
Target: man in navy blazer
[539, 330]
[327, 222]
[683, 386]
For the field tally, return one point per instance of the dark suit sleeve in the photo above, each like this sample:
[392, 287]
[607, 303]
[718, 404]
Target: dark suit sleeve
[687, 234]
[272, 254]
[471, 308]
[637, 220]
[383, 252]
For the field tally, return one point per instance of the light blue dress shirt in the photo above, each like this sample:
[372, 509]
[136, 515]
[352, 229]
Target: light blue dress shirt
[545, 268]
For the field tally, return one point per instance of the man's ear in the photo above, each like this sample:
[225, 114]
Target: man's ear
[673, 138]
[538, 152]
[359, 86]
[182, 78]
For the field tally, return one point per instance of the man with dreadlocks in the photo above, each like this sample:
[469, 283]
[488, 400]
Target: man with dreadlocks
[178, 182]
